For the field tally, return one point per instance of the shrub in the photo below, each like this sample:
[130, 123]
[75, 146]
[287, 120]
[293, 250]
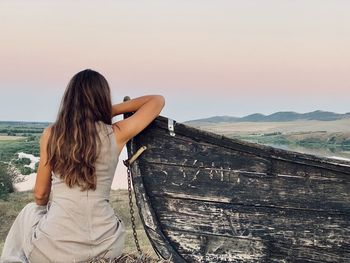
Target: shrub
[6, 180]
[36, 167]
[25, 170]
[31, 138]
[22, 161]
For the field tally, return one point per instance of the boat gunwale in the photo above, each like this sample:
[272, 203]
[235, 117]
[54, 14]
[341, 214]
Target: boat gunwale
[256, 148]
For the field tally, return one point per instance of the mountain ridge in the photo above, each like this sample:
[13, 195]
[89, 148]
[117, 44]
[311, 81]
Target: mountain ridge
[280, 116]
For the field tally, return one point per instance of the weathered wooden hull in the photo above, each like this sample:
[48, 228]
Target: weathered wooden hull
[204, 197]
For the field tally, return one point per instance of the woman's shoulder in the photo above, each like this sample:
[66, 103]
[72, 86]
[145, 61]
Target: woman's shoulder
[112, 131]
[44, 137]
[47, 130]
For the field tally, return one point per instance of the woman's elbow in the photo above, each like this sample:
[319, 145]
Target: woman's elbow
[41, 198]
[161, 101]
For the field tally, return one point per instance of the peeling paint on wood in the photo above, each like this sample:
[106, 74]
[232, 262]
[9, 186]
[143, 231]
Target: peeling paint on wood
[204, 197]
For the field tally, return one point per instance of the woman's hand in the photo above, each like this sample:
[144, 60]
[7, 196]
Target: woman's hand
[133, 105]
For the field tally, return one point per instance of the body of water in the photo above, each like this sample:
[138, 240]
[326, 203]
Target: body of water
[337, 153]
[28, 181]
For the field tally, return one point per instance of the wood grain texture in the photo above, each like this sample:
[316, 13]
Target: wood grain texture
[204, 197]
[276, 232]
[246, 188]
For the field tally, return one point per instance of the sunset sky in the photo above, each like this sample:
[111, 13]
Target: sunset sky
[207, 58]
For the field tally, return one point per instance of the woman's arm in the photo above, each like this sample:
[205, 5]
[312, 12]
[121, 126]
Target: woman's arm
[146, 109]
[42, 186]
[131, 105]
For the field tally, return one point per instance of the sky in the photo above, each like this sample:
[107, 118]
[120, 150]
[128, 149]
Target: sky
[207, 58]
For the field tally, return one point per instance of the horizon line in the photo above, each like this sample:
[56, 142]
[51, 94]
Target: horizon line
[31, 121]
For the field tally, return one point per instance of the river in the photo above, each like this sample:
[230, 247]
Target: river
[336, 152]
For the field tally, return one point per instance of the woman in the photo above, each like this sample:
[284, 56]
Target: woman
[79, 153]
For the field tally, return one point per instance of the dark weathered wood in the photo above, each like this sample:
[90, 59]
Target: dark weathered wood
[201, 247]
[245, 188]
[149, 220]
[224, 249]
[197, 135]
[177, 151]
[204, 197]
[299, 232]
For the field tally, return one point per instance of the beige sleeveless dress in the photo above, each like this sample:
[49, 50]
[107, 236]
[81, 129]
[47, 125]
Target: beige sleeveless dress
[75, 226]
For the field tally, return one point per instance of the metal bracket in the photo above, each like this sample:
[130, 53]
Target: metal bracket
[171, 127]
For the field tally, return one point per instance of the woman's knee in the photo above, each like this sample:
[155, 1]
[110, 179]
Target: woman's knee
[31, 204]
[29, 208]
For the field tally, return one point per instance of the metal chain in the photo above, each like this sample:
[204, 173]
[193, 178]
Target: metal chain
[133, 225]
[128, 163]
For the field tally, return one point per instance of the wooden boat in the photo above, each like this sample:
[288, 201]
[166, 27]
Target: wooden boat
[204, 197]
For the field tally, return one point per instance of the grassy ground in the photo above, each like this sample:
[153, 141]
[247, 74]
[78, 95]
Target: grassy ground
[270, 127]
[9, 148]
[326, 138]
[304, 132]
[119, 199]
[10, 138]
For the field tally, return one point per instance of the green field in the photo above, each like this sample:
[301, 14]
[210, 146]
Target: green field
[19, 137]
[324, 138]
[18, 128]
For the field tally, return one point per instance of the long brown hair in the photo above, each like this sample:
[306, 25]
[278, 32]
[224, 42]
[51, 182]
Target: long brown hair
[72, 147]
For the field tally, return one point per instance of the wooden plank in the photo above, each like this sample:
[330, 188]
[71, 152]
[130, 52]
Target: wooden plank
[205, 155]
[195, 247]
[160, 124]
[180, 151]
[245, 188]
[238, 232]
[149, 220]
[223, 249]
[186, 132]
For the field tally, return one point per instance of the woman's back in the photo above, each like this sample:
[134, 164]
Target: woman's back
[81, 224]
[77, 225]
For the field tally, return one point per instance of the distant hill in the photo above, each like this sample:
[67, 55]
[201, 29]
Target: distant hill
[280, 116]
[13, 123]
